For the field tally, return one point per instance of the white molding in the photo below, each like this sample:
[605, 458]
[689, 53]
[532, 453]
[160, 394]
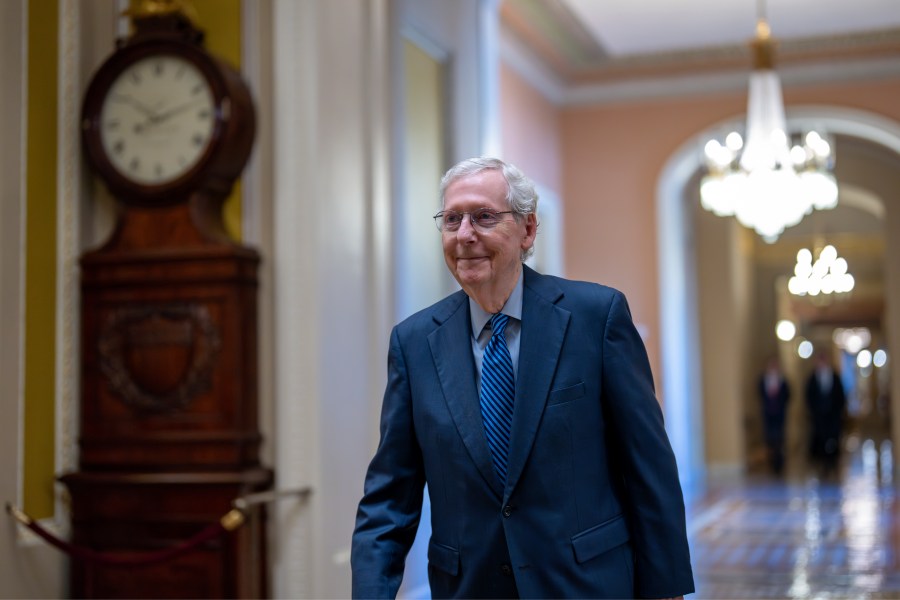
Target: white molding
[522, 60]
[532, 69]
[862, 199]
[68, 227]
[294, 73]
[657, 88]
[489, 73]
[549, 256]
[23, 244]
[257, 205]
[846, 121]
[424, 42]
[380, 131]
[681, 391]
[256, 62]
[13, 215]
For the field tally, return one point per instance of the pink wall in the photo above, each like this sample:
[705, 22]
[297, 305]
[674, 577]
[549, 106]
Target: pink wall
[530, 130]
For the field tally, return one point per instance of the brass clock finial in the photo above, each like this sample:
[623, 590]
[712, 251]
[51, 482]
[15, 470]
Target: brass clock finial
[141, 9]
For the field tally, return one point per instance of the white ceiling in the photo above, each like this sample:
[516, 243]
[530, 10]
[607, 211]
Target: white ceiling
[626, 27]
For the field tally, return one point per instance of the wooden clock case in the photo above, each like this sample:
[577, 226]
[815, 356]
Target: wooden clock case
[169, 433]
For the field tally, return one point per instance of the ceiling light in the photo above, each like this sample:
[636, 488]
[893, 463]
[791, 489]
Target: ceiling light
[864, 359]
[828, 275]
[785, 330]
[852, 340]
[770, 182]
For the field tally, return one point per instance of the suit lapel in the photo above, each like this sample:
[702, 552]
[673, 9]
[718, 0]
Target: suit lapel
[451, 349]
[543, 330]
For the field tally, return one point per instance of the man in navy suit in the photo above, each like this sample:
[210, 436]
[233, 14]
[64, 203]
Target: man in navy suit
[827, 403]
[587, 502]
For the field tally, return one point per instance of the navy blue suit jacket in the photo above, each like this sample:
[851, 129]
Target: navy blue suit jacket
[592, 506]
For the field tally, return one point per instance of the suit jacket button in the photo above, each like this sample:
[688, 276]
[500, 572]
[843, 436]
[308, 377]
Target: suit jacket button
[506, 569]
[507, 511]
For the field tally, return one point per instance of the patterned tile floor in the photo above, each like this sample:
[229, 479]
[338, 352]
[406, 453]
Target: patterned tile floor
[801, 537]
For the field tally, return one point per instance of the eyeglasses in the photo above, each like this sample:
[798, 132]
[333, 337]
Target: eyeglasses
[482, 219]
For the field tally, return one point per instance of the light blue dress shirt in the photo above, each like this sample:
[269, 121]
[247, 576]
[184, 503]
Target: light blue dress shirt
[513, 331]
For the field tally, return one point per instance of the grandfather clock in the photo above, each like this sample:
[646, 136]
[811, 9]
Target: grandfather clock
[168, 417]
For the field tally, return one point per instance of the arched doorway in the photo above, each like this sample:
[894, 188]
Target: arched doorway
[682, 347]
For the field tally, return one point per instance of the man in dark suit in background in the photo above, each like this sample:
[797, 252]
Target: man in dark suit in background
[826, 401]
[774, 393]
[526, 404]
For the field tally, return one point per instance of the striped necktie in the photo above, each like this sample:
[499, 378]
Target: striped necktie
[497, 392]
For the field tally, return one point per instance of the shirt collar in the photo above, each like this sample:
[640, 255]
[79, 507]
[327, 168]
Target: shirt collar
[512, 308]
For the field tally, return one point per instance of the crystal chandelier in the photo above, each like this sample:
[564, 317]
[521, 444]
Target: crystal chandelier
[767, 183]
[828, 275]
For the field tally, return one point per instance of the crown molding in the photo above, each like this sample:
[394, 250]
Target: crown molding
[649, 78]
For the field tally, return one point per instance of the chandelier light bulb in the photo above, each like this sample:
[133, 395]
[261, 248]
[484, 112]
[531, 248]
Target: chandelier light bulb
[718, 154]
[839, 266]
[818, 144]
[845, 283]
[822, 188]
[803, 270]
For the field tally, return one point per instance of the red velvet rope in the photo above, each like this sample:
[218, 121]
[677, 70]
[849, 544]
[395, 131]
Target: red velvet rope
[131, 559]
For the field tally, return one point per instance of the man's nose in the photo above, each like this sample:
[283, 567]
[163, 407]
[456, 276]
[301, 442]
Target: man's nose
[466, 231]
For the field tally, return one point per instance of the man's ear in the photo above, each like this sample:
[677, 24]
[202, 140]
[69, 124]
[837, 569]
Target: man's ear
[531, 225]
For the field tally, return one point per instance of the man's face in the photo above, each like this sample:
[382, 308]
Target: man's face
[484, 260]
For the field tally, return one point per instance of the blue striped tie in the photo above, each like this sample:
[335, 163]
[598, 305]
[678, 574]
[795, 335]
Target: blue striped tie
[497, 393]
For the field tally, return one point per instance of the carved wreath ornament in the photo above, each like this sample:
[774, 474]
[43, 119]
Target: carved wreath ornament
[158, 358]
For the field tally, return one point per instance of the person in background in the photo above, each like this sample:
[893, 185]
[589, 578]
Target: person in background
[774, 393]
[526, 403]
[826, 402]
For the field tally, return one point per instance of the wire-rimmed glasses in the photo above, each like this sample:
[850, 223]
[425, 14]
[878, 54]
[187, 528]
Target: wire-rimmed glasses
[481, 219]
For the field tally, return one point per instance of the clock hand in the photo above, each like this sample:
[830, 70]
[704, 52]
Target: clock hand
[157, 118]
[129, 100]
[173, 111]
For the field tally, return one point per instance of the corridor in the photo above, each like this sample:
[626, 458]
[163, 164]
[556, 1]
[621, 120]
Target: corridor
[803, 536]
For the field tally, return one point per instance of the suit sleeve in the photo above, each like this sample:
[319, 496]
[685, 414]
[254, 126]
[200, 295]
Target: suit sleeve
[645, 461]
[388, 514]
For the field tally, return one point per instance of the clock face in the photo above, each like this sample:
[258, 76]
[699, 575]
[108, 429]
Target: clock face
[157, 119]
